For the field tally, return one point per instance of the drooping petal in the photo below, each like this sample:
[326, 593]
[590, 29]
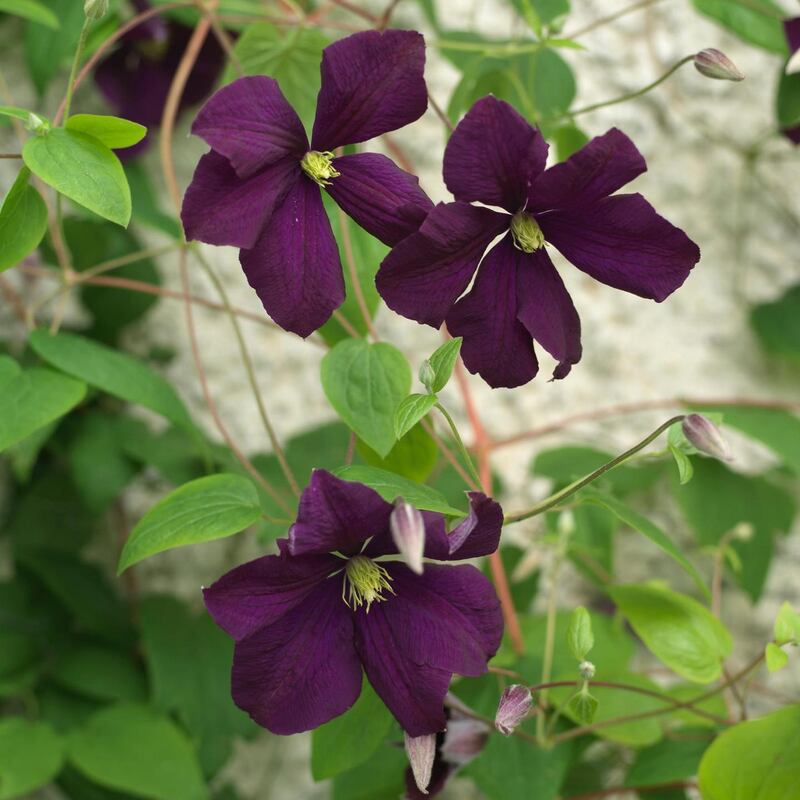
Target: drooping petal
[445, 621]
[372, 83]
[220, 208]
[496, 344]
[598, 169]
[426, 273]
[546, 310]
[294, 266]
[623, 242]
[259, 592]
[791, 28]
[303, 670]
[493, 156]
[337, 515]
[478, 534]
[382, 198]
[251, 123]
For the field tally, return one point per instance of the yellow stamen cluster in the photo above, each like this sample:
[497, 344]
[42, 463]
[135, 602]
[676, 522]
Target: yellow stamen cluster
[319, 166]
[364, 582]
[526, 233]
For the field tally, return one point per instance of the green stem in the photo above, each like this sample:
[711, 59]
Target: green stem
[76, 62]
[567, 491]
[498, 50]
[461, 447]
[549, 637]
[624, 97]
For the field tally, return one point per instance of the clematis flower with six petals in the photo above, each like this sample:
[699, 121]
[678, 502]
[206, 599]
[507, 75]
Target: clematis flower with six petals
[336, 601]
[259, 188]
[497, 158]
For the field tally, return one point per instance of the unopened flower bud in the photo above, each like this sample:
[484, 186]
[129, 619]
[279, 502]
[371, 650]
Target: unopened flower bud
[95, 9]
[421, 751]
[715, 64]
[427, 374]
[586, 670]
[408, 533]
[515, 704]
[705, 436]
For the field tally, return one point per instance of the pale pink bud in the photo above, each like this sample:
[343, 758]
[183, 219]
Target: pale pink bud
[515, 704]
[705, 436]
[408, 532]
[715, 64]
[464, 739]
[421, 751]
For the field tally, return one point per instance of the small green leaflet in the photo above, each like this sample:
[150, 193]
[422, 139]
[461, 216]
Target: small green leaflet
[32, 10]
[584, 706]
[787, 625]
[775, 657]
[442, 361]
[82, 168]
[411, 411]
[113, 132]
[199, 511]
[31, 755]
[16, 112]
[579, 634]
[23, 221]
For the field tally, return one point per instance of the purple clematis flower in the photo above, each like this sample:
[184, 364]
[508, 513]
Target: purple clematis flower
[494, 156]
[308, 620]
[259, 187]
[791, 28]
[136, 76]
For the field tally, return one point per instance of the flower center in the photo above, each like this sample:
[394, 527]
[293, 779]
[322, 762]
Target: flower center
[319, 166]
[526, 233]
[364, 581]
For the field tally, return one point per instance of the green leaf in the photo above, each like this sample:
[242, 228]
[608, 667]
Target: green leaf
[787, 101]
[8, 369]
[291, 57]
[30, 757]
[189, 662]
[757, 759]
[23, 221]
[15, 112]
[380, 778]
[134, 749]
[414, 455]
[31, 10]
[112, 371]
[32, 400]
[200, 511]
[669, 761]
[579, 634]
[114, 132]
[101, 673]
[615, 703]
[510, 768]
[367, 253]
[775, 657]
[676, 629]
[568, 139]
[146, 206]
[584, 707]
[365, 383]
[717, 500]
[411, 411]
[787, 625]
[777, 324]
[83, 169]
[683, 463]
[352, 738]
[442, 361]
[390, 486]
[647, 528]
[755, 21]
[686, 717]
[47, 50]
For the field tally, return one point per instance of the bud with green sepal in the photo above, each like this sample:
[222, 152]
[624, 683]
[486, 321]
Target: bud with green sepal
[715, 64]
[95, 9]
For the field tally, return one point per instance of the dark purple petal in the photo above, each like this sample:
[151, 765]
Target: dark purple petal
[428, 271]
[546, 310]
[493, 156]
[372, 83]
[259, 592]
[303, 670]
[792, 134]
[445, 621]
[598, 169]
[382, 198]
[496, 344]
[220, 208]
[250, 122]
[791, 28]
[478, 534]
[623, 242]
[294, 267]
[337, 515]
